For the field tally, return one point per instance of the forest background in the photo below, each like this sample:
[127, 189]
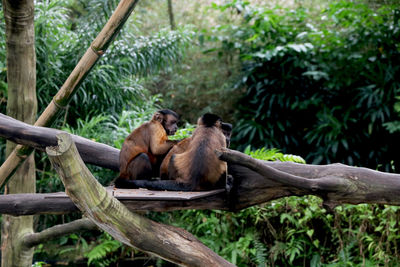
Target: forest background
[316, 79]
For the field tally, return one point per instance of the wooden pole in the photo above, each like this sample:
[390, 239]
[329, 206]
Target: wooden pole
[22, 105]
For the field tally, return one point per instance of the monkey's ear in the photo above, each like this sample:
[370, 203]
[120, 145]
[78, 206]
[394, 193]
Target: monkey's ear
[158, 117]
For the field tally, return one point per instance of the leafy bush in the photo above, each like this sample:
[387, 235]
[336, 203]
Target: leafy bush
[64, 32]
[321, 85]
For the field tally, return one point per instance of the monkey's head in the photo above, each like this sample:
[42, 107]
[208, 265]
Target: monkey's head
[168, 120]
[209, 120]
[227, 131]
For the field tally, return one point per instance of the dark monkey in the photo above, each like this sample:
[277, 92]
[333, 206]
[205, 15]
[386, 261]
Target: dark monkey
[141, 151]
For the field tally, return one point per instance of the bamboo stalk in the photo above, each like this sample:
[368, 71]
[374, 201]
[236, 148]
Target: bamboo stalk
[64, 95]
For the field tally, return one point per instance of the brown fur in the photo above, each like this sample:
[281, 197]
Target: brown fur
[181, 147]
[198, 165]
[151, 139]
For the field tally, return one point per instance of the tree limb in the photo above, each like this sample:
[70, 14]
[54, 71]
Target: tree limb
[171, 243]
[31, 240]
[335, 183]
[40, 137]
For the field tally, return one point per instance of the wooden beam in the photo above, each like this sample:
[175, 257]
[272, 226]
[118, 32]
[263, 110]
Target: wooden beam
[41, 137]
[133, 199]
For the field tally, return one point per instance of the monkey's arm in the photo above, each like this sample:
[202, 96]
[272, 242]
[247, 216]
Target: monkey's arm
[161, 146]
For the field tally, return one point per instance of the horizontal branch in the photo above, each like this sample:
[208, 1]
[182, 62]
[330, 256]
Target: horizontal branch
[260, 181]
[256, 181]
[40, 137]
[31, 240]
[60, 203]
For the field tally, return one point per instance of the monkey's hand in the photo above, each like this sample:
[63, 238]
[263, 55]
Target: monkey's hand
[230, 193]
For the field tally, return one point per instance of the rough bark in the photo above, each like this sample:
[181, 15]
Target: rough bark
[260, 181]
[22, 105]
[64, 95]
[171, 243]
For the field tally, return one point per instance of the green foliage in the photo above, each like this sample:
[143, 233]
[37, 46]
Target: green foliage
[39, 264]
[100, 254]
[202, 81]
[272, 155]
[318, 84]
[62, 37]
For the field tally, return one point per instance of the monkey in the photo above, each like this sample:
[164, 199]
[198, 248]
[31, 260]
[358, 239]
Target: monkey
[184, 144]
[176, 149]
[195, 167]
[143, 149]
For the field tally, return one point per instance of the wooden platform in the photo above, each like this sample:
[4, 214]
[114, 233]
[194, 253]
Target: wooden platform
[144, 194]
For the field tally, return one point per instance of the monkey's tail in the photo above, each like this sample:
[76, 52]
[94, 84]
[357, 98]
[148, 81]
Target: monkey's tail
[198, 166]
[125, 183]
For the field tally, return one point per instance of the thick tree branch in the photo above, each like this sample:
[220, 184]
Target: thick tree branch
[317, 184]
[171, 243]
[335, 183]
[40, 137]
[31, 240]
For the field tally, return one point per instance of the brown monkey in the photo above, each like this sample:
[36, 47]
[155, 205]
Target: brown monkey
[198, 167]
[141, 151]
[184, 144]
[195, 167]
[176, 149]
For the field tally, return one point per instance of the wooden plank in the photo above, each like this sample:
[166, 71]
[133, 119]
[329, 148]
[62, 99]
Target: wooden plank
[144, 194]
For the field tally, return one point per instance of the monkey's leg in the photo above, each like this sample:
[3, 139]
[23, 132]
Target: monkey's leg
[139, 168]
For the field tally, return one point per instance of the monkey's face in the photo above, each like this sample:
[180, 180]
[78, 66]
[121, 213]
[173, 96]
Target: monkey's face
[170, 124]
[227, 131]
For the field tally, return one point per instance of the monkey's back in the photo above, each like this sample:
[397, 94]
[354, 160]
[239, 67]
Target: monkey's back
[135, 143]
[199, 165]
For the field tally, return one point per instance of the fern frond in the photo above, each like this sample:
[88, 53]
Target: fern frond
[100, 251]
[272, 154]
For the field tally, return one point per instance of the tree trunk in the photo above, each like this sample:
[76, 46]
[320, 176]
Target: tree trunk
[22, 105]
[171, 15]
